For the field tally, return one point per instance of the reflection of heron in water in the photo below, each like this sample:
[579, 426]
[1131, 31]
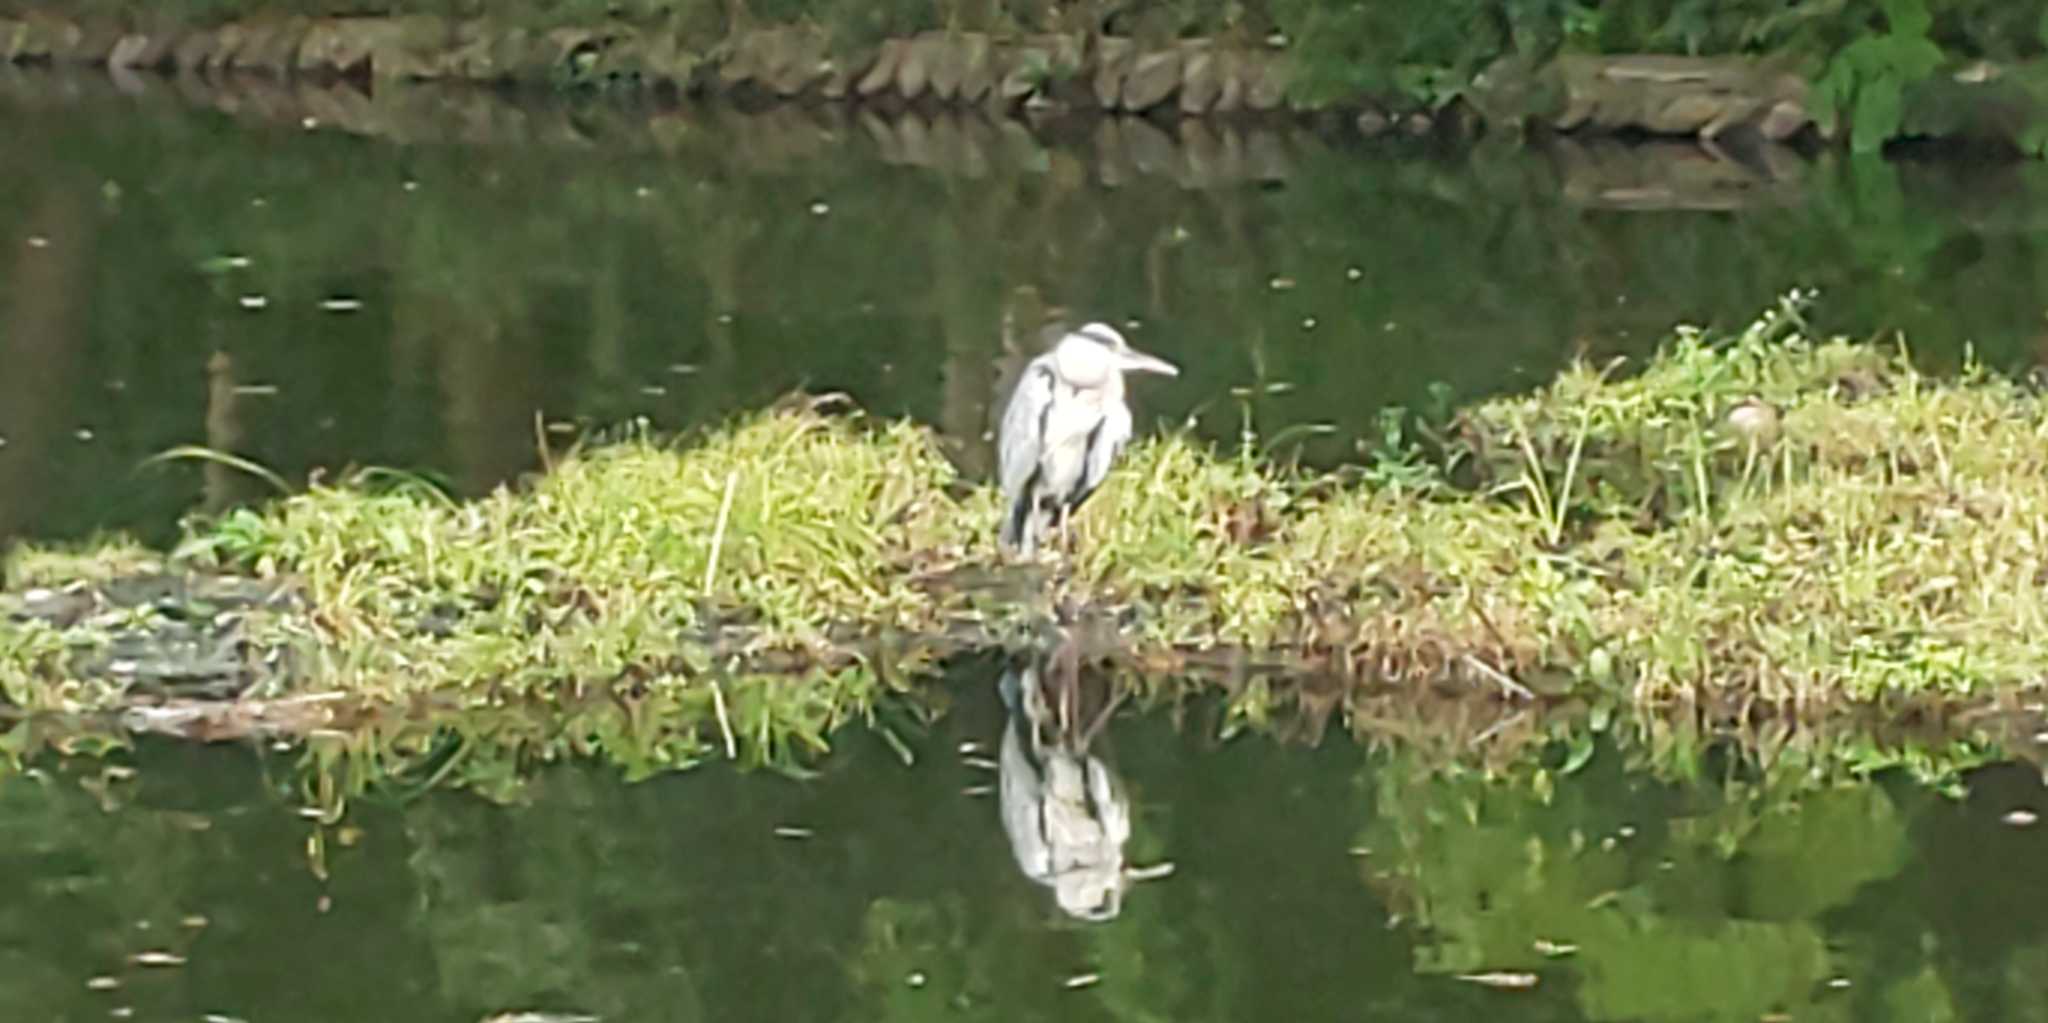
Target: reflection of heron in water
[1064, 807]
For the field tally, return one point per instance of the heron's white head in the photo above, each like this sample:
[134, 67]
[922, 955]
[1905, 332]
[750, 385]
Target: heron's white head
[1091, 355]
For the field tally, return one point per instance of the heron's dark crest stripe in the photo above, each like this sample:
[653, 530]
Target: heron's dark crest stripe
[1102, 332]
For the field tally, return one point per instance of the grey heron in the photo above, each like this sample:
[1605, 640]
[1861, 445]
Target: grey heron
[1065, 424]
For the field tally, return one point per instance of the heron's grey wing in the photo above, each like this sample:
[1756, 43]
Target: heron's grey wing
[1021, 439]
[1103, 448]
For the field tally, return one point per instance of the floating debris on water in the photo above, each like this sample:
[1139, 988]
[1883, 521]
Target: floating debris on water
[1554, 949]
[194, 922]
[530, 1016]
[1352, 273]
[978, 791]
[103, 982]
[157, 957]
[980, 762]
[792, 831]
[1081, 980]
[253, 301]
[654, 391]
[1359, 850]
[1308, 323]
[36, 241]
[340, 304]
[2021, 818]
[410, 186]
[681, 368]
[1502, 979]
[969, 747]
[1281, 283]
[916, 978]
[819, 209]
[221, 1017]
[256, 390]
[83, 433]
[1838, 983]
[122, 1012]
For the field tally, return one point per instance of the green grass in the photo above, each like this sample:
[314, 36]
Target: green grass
[1756, 528]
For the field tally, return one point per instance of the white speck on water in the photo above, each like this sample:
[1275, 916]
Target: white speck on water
[916, 978]
[1838, 983]
[1390, 326]
[256, 390]
[980, 762]
[819, 209]
[978, 791]
[157, 958]
[36, 241]
[1626, 831]
[1280, 283]
[410, 186]
[791, 831]
[654, 391]
[969, 746]
[122, 1012]
[1352, 273]
[723, 318]
[681, 368]
[253, 301]
[103, 983]
[259, 202]
[643, 192]
[1308, 323]
[1081, 980]
[123, 667]
[309, 123]
[340, 304]
[83, 433]
[2021, 818]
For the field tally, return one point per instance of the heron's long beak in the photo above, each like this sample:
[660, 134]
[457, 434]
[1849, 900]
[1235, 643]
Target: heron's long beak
[1135, 361]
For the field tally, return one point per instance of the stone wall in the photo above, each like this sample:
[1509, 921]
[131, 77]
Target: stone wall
[1700, 97]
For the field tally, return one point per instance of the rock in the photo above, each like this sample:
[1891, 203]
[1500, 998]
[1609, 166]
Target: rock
[845, 74]
[790, 60]
[1267, 88]
[913, 73]
[945, 62]
[1113, 58]
[227, 41]
[128, 51]
[474, 54]
[43, 37]
[96, 40]
[194, 50]
[1230, 74]
[882, 73]
[1152, 79]
[1199, 81]
[670, 61]
[1025, 68]
[977, 67]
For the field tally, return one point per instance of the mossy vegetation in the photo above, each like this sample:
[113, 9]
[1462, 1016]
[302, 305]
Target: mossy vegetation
[1757, 528]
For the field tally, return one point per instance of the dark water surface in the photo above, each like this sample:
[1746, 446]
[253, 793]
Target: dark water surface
[410, 288]
[1309, 883]
[197, 266]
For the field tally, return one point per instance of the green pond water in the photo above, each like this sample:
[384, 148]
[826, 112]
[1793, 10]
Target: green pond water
[1309, 882]
[320, 280]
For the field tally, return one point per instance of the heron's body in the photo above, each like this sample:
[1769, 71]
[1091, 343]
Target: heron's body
[1065, 425]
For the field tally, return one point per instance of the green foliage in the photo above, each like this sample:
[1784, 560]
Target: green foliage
[1870, 76]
